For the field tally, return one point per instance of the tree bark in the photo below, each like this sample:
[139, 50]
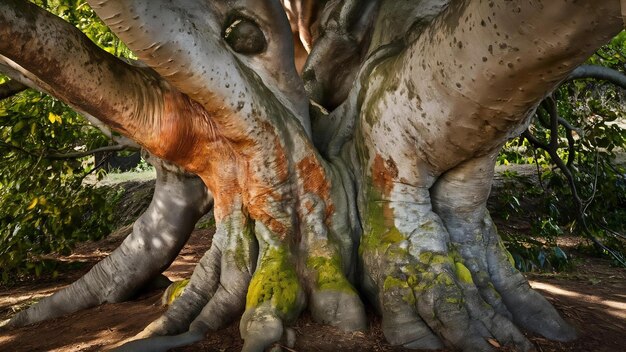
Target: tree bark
[380, 184]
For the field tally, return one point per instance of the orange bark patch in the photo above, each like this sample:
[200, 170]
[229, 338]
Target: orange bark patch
[267, 196]
[282, 165]
[313, 177]
[384, 173]
[241, 170]
[269, 208]
[184, 133]
[308, 205]
[221, 179]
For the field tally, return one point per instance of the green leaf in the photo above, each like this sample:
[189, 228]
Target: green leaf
[18, 126]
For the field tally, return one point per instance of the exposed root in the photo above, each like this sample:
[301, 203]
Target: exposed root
[422, 284]
[275, 294]
[216, 291]
[459, 198]
[342, 309]
[506, 289]
[529, 308]
[161, 343]
[271, 274]
[199, 290]
[260, 327]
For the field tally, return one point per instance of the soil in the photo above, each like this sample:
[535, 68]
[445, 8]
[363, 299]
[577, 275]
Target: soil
[593, 298]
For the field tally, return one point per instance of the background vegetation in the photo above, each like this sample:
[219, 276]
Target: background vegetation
[581, 179]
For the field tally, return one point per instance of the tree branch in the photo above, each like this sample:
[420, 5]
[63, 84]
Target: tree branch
[552, 149]
[123, 96]
[600, 73]
[476, 68]
[19, 74]
[76, 155]
[192, 43]
[10, 88]
[62, 156]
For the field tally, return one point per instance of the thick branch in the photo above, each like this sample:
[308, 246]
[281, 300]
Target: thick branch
[193, 54]
[19, 74]
[511, 68]
[78, 72]
[339, 51]
[10, 88]
[600, 73]
[491, 63]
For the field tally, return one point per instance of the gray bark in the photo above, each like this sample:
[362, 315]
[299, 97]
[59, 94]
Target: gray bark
[382, 186]
[131, 98]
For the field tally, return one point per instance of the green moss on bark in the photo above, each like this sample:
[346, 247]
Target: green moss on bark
[508, 254]
[380, 233]
[275, 280]
[328, 274]
[174, 291]
[463, 273]
[392, 282]
[242, 249]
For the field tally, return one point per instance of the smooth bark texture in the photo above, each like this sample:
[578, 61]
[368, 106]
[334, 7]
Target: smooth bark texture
[27, 79]
[379, 183]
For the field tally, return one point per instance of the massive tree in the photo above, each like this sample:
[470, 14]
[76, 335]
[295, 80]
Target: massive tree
[347, 148]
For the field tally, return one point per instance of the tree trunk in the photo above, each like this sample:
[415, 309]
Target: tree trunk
[376, 189]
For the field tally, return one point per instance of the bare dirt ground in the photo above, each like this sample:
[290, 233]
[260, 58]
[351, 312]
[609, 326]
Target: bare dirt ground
[593, 298]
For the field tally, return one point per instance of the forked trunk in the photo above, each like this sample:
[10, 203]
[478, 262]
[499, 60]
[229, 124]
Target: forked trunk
[375, 189]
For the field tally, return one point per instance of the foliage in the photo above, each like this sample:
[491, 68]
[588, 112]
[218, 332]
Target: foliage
[521, 199]
[44, 207]
[591, 138]
[143, 166]
[612, 55]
